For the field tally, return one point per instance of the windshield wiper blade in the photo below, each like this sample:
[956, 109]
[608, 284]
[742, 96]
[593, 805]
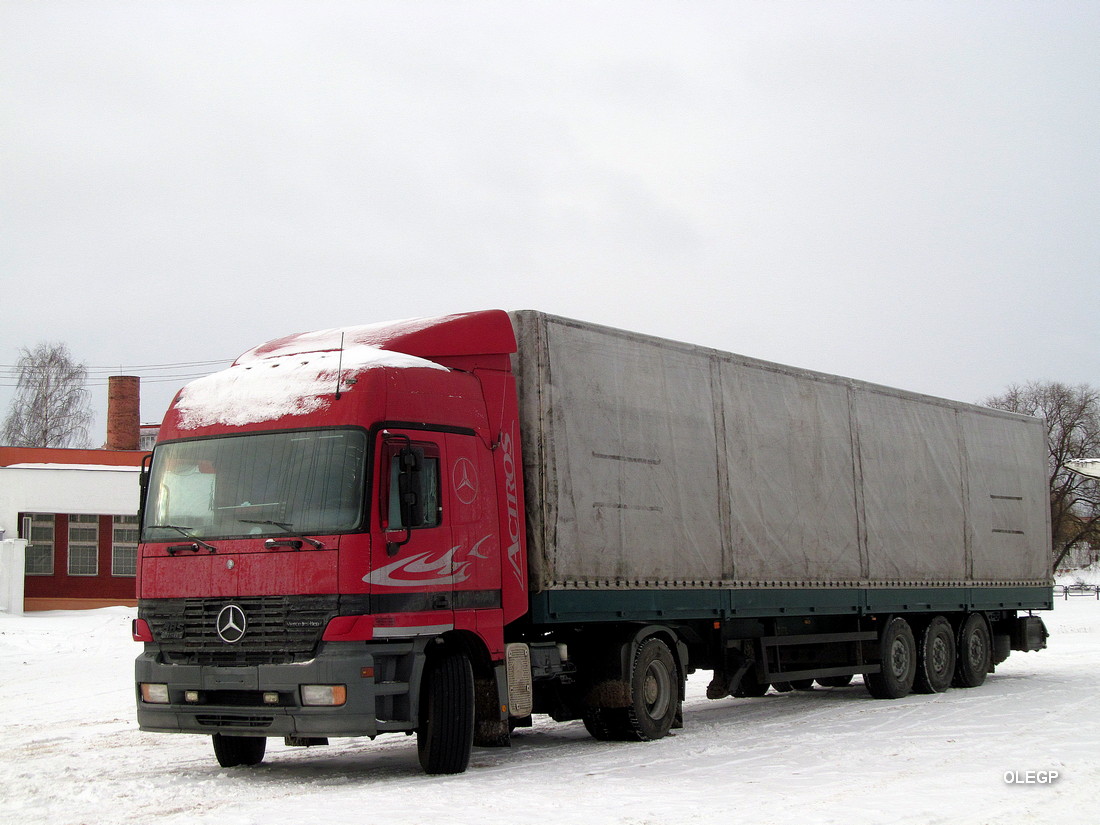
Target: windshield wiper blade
[287, 526]
[185, 532]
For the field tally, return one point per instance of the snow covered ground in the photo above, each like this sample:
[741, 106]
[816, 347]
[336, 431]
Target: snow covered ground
[72, 752]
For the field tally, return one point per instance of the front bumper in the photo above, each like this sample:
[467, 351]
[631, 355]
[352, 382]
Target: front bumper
[381, 682]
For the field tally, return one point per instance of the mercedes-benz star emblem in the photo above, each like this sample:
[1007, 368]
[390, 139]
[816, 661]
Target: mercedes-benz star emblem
[465, 480]
[231, 624]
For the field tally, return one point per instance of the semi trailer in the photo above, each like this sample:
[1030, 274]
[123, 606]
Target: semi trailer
[442, 526]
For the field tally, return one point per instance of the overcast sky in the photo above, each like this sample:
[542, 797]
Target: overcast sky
[907, 193]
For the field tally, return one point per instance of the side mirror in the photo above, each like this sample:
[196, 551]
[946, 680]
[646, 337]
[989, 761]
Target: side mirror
[410, 463]
[143, 486]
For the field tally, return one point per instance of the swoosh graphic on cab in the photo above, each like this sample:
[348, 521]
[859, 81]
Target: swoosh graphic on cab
[427, 568]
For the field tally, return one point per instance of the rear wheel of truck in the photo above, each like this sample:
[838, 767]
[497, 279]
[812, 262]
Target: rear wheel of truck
[654, 692]
[445, 734]
[898, 651]
[654, 699]
[232, 751]
[935, 657]
[975, 652]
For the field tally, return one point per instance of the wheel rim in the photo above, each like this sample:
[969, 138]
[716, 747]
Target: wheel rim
[656, 690]
[976, 648]
[940, 659]
[899, 658]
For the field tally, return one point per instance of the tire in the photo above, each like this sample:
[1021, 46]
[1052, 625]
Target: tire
[803, 684]
[935, 657]
[835, 681]
[654, 692]
[232, 751]
[654, 700]
[445, 734]
[974, 658]
[898, 651]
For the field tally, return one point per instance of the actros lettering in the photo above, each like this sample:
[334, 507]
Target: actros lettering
[511, 497]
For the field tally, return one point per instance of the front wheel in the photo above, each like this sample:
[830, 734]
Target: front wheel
[232, 751]
[445, 734]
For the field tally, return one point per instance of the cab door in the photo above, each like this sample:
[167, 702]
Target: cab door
[471, 514]
[412, 571]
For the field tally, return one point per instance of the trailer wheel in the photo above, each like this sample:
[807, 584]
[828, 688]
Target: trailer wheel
[232, 751]
[654, 691]
[935, 657]
[445, 734]
[975, 652]
[898, 651]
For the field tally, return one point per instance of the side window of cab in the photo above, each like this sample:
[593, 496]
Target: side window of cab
[412, 499]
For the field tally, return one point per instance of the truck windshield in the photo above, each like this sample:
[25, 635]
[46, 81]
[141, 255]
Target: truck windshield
[262, 484]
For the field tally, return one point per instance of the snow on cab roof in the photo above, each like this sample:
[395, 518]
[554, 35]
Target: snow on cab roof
[294, 375]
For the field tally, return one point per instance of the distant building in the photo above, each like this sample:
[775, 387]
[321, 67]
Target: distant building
[77, 509]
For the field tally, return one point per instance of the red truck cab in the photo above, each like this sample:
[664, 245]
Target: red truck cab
[327, 522]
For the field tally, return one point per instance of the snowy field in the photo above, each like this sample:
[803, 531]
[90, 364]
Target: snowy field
[72, 752]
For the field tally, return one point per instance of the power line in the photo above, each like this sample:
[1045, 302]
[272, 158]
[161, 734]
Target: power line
[133, 367]
[148, 373]
[171, 379]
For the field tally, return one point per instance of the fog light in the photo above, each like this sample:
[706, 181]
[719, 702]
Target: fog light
[271, 698]
[324, 694]
[154, 694]
[191, 696]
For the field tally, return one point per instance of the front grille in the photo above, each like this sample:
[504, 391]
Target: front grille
[279, 629]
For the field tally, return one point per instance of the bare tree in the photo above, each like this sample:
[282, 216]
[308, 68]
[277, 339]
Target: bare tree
[50, 408]
[1072, 416]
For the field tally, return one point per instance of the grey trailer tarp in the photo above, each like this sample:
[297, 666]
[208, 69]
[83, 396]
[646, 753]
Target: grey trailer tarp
[655, 464]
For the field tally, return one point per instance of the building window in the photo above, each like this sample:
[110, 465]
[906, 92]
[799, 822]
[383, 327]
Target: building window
[124, 542]
[83, 545]
[38, 531]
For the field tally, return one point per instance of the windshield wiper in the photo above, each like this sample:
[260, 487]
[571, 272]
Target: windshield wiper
[285, 525]
[197, 542]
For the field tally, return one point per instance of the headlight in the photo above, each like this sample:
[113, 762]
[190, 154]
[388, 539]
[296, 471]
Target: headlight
[324, 695]
[154, 694]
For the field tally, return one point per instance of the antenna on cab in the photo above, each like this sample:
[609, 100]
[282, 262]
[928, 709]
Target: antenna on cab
[340, 367]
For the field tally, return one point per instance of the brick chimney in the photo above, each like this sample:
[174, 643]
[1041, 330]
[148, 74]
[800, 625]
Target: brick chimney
[123, 412]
